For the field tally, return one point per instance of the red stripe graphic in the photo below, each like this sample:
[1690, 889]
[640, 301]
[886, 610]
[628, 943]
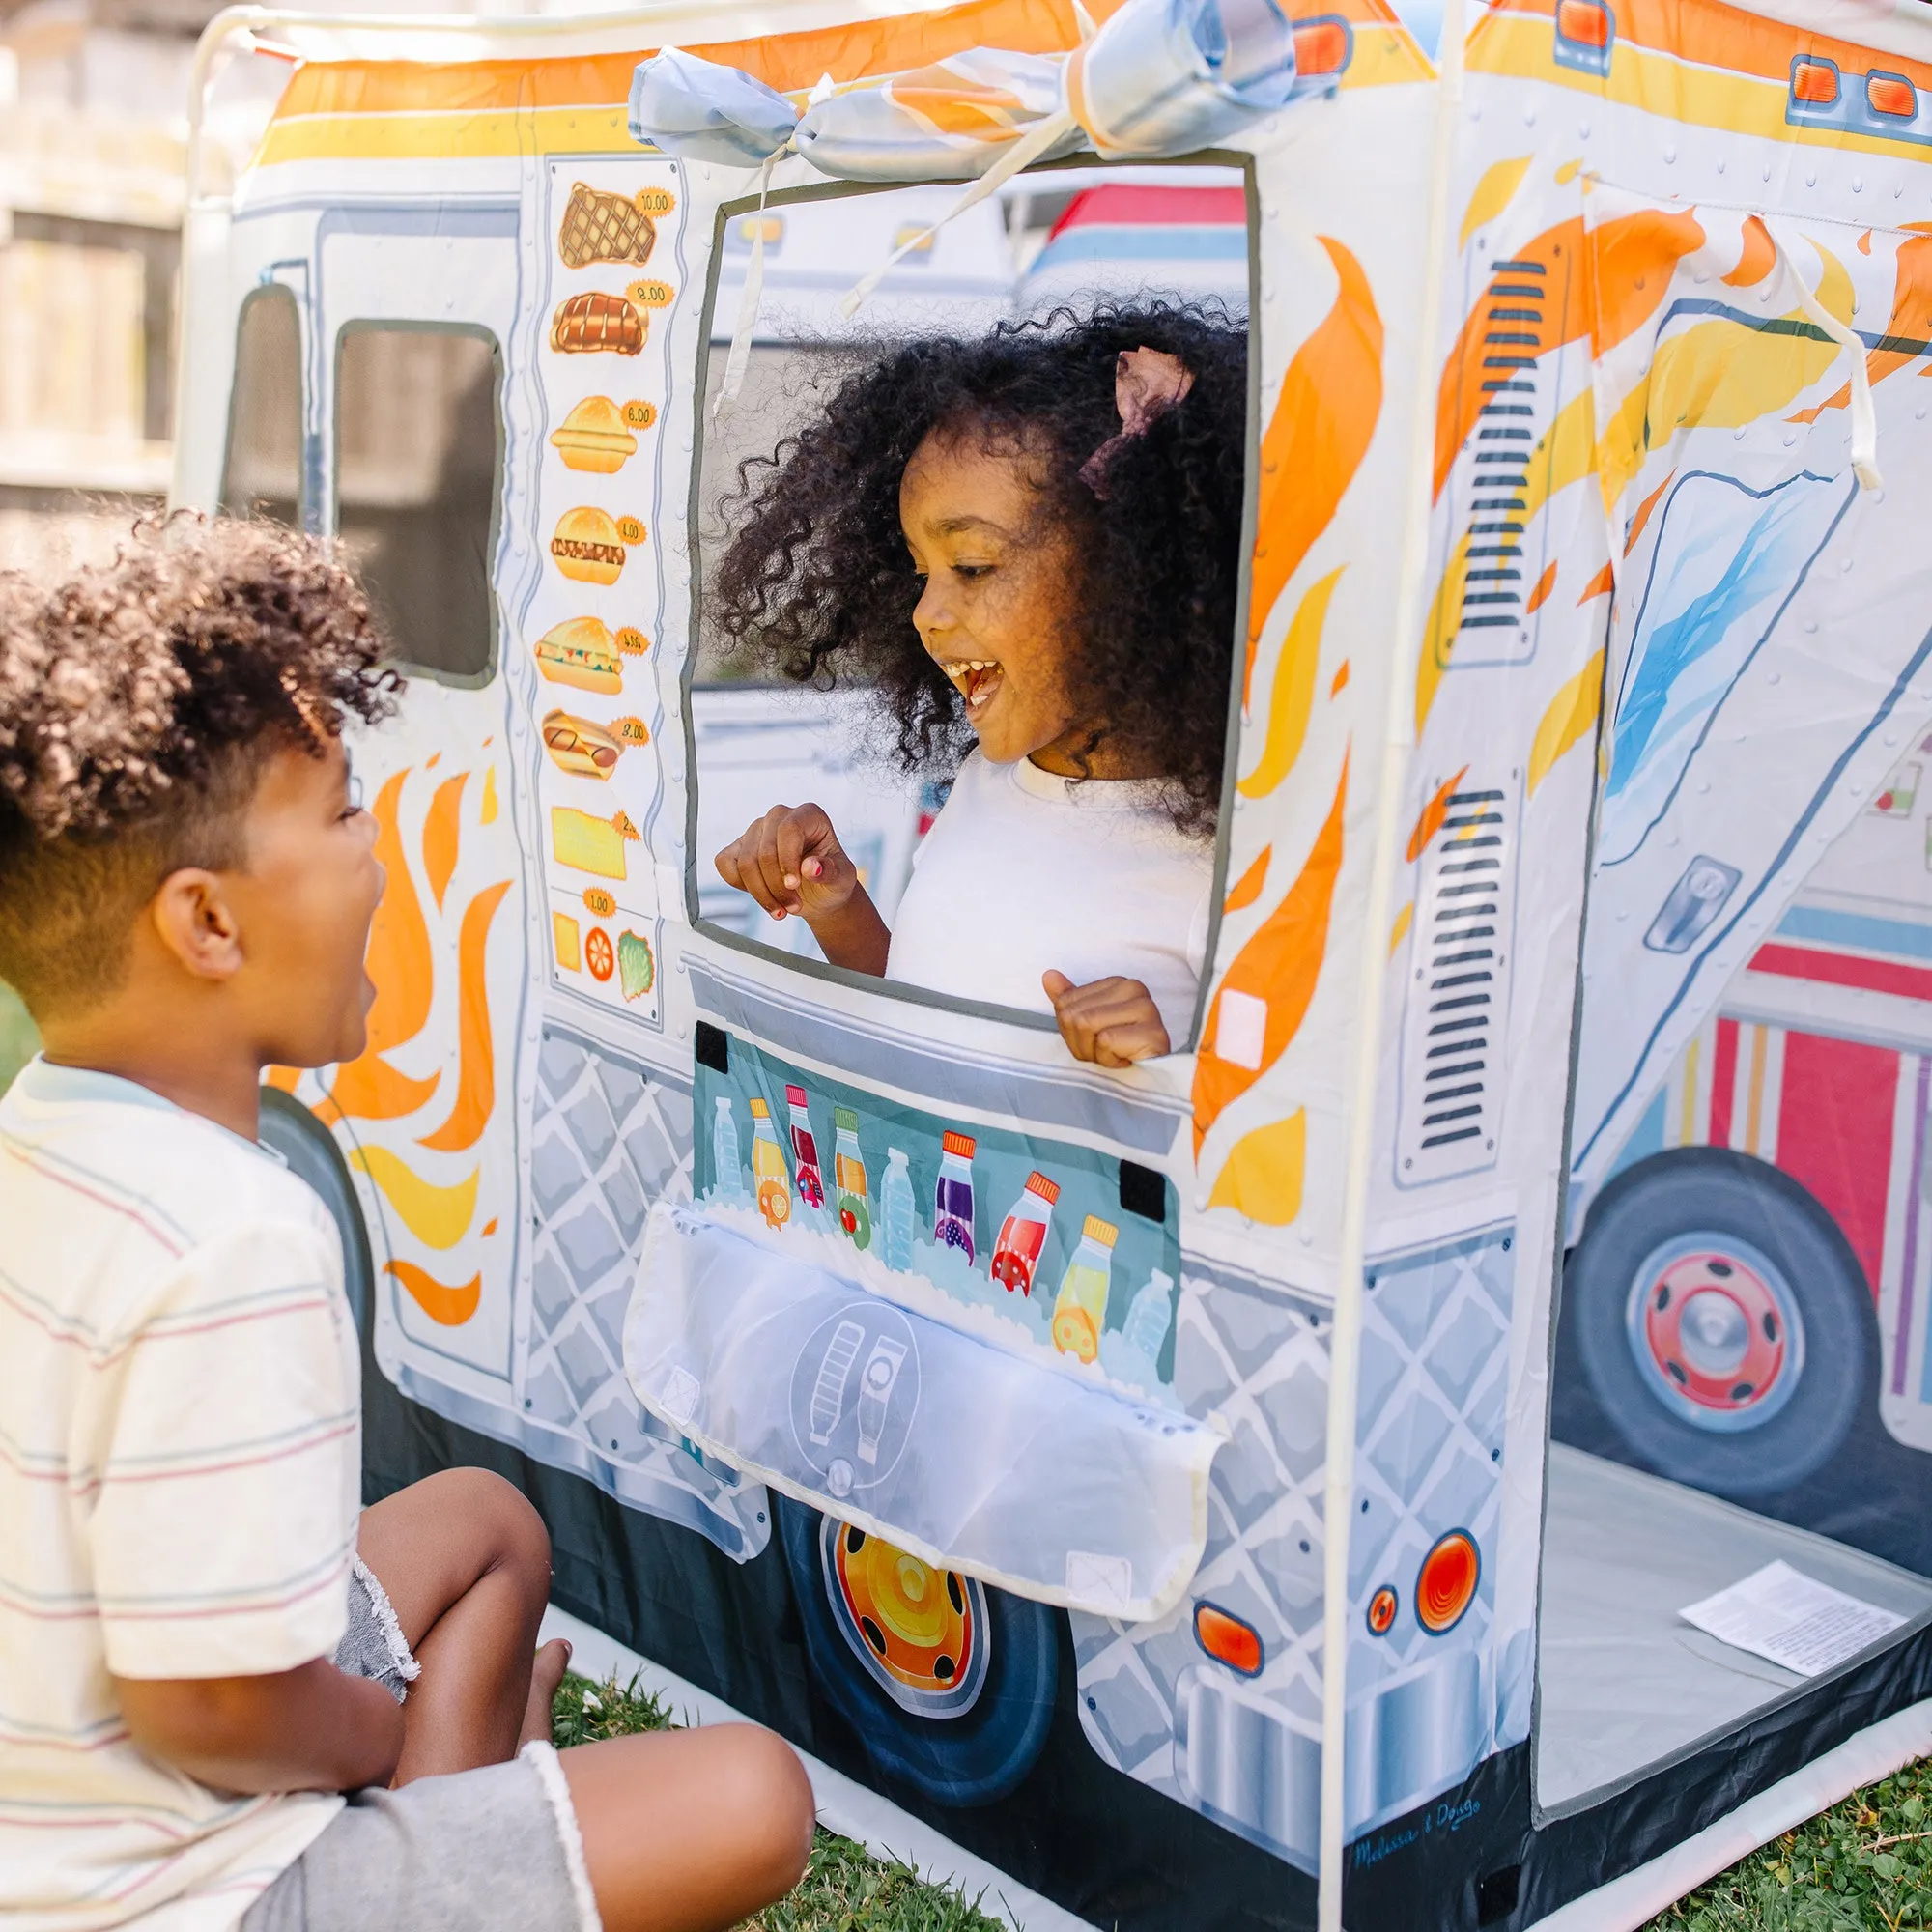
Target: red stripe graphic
[1844, 969]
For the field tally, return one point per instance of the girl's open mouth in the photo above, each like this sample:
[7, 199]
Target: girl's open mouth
[977, 679]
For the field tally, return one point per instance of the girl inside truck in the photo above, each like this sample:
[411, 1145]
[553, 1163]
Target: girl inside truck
[1027, 547]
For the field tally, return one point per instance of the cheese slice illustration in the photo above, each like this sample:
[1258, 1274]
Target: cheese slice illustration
[588, 843]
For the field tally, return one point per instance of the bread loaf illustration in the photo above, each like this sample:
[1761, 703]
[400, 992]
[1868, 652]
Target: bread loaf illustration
[601, 227]
[596, 321]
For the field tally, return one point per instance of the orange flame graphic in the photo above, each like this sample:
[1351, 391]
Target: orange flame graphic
[1911, 320]
[404, 970]
[1428, 822]
[1631, 260]
[1331, 400]
[449, 1306]
[1279, 967]
[477, 1083]
[442, 832]
[1755, 262]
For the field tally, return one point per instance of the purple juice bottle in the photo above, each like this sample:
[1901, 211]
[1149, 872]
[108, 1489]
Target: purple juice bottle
[953, 1196]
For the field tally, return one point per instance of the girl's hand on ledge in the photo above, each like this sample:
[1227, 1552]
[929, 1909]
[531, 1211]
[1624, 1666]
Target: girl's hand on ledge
[1111, 1022]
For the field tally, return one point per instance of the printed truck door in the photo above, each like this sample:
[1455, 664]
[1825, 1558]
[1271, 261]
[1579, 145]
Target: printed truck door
[413, 308]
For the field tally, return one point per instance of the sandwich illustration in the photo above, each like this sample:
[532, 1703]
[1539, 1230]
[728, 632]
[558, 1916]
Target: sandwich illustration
[588, 323]
[592, 437]
[587, 547]
[579, 747]
[582, 652]
[602, 227]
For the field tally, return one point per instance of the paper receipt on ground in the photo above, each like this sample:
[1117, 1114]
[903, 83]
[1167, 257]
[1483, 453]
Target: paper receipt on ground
[1781, 1614]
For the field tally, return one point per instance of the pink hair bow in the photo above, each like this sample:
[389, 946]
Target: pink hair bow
[1146, 383]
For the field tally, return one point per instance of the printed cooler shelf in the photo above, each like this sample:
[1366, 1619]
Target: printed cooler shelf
[959, 1452]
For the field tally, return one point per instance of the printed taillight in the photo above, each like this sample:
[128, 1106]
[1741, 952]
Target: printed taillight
[1815, 83]
[1321, 47]
[1227, 1639]
[1381, 1611]
[1446, 1586]
[1891, 94]
[1586, 22]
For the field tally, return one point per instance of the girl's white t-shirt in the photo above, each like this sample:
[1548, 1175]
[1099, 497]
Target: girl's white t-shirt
[1024, 871]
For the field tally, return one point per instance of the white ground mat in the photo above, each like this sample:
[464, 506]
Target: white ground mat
[1623, 1681]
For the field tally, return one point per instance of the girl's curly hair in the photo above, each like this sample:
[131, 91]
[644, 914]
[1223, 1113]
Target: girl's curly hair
[817, 575]
[137, 700]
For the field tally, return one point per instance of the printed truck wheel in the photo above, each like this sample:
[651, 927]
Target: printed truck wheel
[291, 1130]
[949, 1685]
[1722, 1323]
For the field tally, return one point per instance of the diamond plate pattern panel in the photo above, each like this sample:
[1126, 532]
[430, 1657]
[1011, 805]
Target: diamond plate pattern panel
[609, 1137]
[1261, 1360]
[1434, 1368]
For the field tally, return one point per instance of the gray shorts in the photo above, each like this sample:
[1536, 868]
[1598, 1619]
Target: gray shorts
[495, 1850]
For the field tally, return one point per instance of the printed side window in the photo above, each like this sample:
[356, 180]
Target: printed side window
[262, 470]
[419, 489]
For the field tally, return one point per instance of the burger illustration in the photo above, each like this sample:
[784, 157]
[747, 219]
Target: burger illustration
[578, 746]
[588, 547]
[581, 651]
[592, 437]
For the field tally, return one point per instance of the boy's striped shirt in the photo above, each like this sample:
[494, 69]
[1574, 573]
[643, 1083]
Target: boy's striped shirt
[179, 1481]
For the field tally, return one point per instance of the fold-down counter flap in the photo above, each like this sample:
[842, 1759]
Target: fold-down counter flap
[964, 1455]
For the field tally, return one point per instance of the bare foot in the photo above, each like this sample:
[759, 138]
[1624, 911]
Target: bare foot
[552, 1659]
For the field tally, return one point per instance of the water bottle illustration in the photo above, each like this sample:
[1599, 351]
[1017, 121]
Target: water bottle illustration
[848, 1169]
[953, 1195]
[1080, 1309]
[768, 1169]
[728, 1179]
[895, 1211]
[805, 1153]
[1150, 1315]
[1022, 1235]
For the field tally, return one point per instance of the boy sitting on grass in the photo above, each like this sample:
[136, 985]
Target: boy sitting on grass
[203, 1647]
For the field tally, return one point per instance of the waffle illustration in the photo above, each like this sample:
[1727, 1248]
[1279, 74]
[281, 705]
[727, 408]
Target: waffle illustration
[601, 227]
[595, 321]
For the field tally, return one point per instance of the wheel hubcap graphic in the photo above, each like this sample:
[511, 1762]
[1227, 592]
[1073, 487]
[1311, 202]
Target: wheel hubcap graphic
[1715, 1332]
[921, 1632]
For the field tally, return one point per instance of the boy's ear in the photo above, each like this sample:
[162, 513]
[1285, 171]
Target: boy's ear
[195, 923]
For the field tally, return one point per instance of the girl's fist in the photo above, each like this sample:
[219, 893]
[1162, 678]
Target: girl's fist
[790, 860]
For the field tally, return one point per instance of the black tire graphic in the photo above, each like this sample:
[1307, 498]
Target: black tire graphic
[976, 1757]
[1708, 1217]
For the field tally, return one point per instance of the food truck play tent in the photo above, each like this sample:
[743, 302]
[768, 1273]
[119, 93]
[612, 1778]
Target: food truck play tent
[1531, 1243]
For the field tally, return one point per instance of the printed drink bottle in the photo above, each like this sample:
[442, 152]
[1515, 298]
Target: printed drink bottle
[1148, 1315]
[1022, 1235]
[848, 1168]
[727, 1180]
[805, 1153]
[1080, 1310]
[768, 1168]
[953, 1196]
[895, 1211]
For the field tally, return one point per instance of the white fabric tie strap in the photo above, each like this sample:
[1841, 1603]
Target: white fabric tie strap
[1865, 415]
[1029, 147]
[748, 298]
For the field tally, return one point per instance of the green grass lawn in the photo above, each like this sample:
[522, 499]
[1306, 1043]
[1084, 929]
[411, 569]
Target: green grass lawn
[18, 1041]
[1866, 1865]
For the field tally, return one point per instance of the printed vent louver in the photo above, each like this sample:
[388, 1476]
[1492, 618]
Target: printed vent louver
[1493, 591]
[1458, 1007]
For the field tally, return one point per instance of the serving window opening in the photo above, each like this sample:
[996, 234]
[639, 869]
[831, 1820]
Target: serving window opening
[419, 489]
[948, 725]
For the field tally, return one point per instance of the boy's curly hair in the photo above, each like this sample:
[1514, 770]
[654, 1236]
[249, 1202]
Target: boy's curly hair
[136, 701]
[818, 577]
